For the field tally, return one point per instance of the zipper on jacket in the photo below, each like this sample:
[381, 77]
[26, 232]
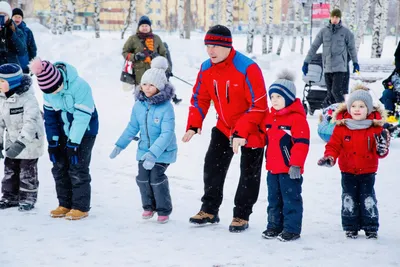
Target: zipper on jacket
[369, 143]
[219, 102]
[147, 127]
[227, 91]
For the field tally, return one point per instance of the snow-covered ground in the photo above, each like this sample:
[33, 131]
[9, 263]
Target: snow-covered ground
[115, 235]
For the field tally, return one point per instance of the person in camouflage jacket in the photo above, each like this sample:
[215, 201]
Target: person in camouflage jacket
[142, 47]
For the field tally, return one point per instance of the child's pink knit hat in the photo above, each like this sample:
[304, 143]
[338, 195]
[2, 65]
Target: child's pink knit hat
[48, 76]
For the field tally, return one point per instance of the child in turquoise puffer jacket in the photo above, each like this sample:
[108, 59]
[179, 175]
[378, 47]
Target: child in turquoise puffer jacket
[154, 119]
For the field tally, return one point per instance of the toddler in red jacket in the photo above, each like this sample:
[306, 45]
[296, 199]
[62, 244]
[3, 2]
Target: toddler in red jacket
[358, 141]
[288, 138]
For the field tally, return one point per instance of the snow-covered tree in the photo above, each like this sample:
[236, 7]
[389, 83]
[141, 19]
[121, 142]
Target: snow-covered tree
[376, 45]
[148, 8]
[271, 26]
[60, 17]
[285, 28]
[264, 27]
[130, 19]
[181, 12]
[70, 15]
[53, 16]
[353, 15]
[302, 27]
[19, 3]
[229, 14]
[363, 22]
[188, 20]
[96, 18]
[384, 22]
[252, 25]
[217, 12]
[296, 25]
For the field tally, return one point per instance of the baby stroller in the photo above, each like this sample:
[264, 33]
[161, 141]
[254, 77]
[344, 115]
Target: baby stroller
[314, 92]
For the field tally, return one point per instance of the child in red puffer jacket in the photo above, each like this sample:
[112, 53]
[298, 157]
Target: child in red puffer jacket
[358, 141]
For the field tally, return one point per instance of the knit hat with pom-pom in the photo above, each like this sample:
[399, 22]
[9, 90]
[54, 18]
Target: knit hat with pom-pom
[156, 74]
[285, 87]
[360, 92]
[48, 76]
[12, 73]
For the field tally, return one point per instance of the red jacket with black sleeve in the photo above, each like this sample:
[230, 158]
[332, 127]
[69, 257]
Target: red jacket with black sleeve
[355, 149]
[288, 138]
[236, 86]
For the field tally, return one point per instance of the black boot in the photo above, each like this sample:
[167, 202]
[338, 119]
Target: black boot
[270, 233]
[176, 100]
[5, 203]
[371, 235]
[352, 234]
[285, 236]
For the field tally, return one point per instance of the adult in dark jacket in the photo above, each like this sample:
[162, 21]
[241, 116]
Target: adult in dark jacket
[18, 16]
[338, 44]
[397, 57]
[12, 39]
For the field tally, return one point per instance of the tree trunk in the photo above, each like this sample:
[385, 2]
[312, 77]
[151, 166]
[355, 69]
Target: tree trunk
[19, 4]
[252, 25]
[383, 28]
[302, 27]
[60, 18]
[70, 16]
[229, 14]
[148, 8]
[264, 27]
[353, 15]
[96, 18]
[285, 29]
[376, 46]
[217, 12]
[363, 22]
[130, 19]
[296, 25]
[271, 26]
[181, 12]
[188, 13]
[53, 16]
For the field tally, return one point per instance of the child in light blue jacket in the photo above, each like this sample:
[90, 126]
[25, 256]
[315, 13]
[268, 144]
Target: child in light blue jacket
[154, 119]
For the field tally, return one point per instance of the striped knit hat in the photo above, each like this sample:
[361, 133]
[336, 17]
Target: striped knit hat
[219, 35]
[284, 86]
[48, 76]
[12, 73]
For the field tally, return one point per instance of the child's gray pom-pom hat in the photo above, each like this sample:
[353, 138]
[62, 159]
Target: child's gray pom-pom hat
[362, 95]
[156, 74]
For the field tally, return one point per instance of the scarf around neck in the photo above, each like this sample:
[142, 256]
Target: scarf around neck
[357, 125]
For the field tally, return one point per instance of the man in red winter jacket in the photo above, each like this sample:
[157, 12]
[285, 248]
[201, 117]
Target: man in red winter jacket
[236, 86]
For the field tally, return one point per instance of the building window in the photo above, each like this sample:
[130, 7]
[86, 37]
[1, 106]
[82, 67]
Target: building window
[158, 10]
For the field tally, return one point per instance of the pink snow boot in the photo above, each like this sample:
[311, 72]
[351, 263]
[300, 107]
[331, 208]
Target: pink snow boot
[147, 214]
[163, 219]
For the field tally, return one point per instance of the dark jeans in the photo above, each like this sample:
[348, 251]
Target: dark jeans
[285, 204]
[73, 180]
[216, 165]
[337, 84]
[388, 99]
[154, 189]
[359, 204]
[20, 182]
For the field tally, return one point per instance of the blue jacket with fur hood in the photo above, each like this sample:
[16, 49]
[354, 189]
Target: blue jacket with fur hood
[154, 118]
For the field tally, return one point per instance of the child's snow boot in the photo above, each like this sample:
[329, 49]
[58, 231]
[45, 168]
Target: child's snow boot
[59, 212]
[270, 233]
[285, 236]
[352, 234]
[6, 203]
[25, 206]
[147, 214]
[176, 100]
[203, 218]
[238, 225]
[163, 219]
[76, 215]
[371, 235]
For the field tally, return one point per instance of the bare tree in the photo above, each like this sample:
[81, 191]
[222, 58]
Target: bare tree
[130, 19]
[70, 15]
[187, 25]
[384, 22]
[53, 16]
[60, 17]
[302, 27]
[271, 26]
[363, 22]
[19, 4]
[264, 27]
[252, 25]
[376, 45]
[285, 28]
[96, 18]
[217, 12]
[296, 25]
[229, 14]
[181, 12]
[148, 8]
[353, 13]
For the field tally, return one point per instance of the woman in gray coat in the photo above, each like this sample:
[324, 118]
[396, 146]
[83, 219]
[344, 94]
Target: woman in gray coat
[22, 122]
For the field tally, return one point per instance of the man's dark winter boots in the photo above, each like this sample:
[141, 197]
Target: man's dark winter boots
[270, 233]
[203, 218]
[238, 225]
[352, 234]
[371, 235]
[5, 203]
[176, 100]
[285, 236]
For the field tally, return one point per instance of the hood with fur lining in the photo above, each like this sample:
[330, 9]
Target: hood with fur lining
[378, 115]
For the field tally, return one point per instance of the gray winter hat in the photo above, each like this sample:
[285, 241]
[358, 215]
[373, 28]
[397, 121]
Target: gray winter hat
[156, 74]
[362, 95]
[285, 87]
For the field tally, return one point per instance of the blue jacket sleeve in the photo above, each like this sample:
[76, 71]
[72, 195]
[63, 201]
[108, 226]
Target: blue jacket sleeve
[31, 44]
[130, 131]
[52, 122]
[84, 108]
[167, 132]
[19, 40]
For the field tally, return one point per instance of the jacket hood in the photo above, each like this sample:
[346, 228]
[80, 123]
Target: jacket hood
[295, 107]
[378, 115]
[22, 25]
[160, 97]
[26, 83]
[69, 73]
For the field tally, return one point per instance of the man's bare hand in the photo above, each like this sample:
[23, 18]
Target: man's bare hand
[236, 143]
[189, 134]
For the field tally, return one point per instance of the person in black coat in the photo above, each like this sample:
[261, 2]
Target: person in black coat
[397, 57]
